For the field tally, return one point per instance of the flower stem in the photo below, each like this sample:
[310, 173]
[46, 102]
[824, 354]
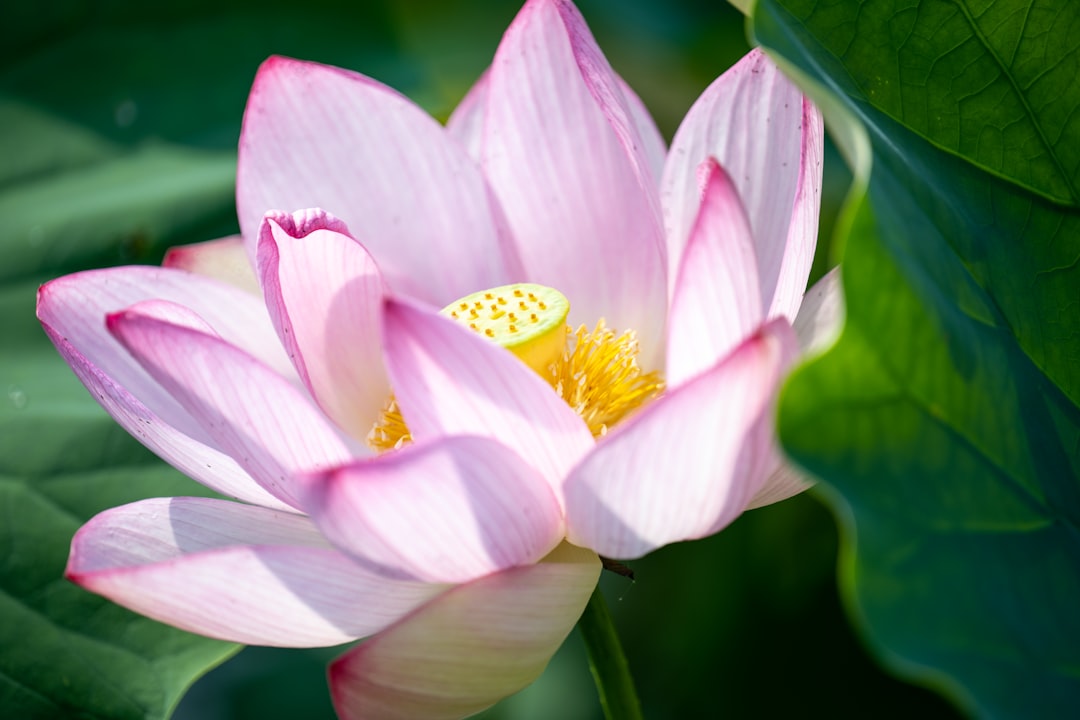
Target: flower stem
[608, 664]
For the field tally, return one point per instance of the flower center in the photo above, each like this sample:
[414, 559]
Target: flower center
[528, 320]
[594, 371]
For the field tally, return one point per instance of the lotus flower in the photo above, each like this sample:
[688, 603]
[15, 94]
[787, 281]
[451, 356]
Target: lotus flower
[467, 548]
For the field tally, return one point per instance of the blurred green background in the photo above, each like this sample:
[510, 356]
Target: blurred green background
[744, 624]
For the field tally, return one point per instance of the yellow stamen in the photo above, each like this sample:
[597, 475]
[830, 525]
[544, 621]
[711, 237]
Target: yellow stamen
[390, 432]
[595, 372]
[600, 379]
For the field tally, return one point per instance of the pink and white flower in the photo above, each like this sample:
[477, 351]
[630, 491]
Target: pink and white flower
[467, 555]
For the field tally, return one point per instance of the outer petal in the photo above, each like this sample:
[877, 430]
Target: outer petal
[324, 294]
[317, 136]
[822, 313]
[72, 310]
[251, 412]
[447, 511]
[565, 156]
[652, 142]
[469, 648]
[783, 482]
[770, 139]
[717, 301]
[224, 259]
[687, 465]
[449, 381]
[466, 123]
[235, 572]
[817, 325]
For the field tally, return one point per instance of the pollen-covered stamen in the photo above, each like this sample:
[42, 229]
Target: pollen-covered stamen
[595, 372]
[390, 431]
[600, 379]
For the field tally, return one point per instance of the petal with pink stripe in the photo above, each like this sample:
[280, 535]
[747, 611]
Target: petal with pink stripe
[687, 464]
[235, 572]
[450, 381]
[318, 136]
[770, 140]
[251, 412]
[324, 294]
[451, 510]
[470, 647]
[564, 153]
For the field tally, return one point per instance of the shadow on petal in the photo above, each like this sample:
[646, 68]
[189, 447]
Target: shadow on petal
[470, 647]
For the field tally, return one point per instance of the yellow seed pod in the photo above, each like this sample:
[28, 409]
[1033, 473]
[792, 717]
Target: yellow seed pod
[528, 320]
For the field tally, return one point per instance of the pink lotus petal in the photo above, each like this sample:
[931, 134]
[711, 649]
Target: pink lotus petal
[317, 136]
[653, 146]
[469, 648]
[324, 294]
[782, 482]
[564, 154]
[817, 326]
[201, 461]
[769, 138]
[821, 313]
[466, 123]
[685, 466]
[72, 310]
[251, 412]
[451, 510]
[717, 301]
[75, 306]
[224, 259]
[235, 572]
[450, 381]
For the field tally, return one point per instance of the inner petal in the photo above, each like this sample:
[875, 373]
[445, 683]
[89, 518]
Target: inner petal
[595, 371]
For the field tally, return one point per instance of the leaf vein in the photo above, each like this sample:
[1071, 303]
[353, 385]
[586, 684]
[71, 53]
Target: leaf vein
[1022, 97]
